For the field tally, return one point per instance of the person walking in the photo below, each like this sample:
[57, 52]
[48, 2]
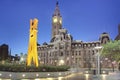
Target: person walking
[119, 66]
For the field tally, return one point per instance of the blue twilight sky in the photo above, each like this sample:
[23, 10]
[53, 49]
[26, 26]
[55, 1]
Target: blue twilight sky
[84, 19]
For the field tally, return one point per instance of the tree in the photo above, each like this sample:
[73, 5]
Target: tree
[112, 50]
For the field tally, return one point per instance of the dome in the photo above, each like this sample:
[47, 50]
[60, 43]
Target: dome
[45, 43]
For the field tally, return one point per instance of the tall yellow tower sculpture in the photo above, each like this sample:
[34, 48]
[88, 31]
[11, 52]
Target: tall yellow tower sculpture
[32, 56]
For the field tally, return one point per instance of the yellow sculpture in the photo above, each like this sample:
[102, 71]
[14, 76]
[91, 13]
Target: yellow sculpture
[32, 56]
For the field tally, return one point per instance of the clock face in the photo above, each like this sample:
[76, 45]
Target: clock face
[60, 22]
[55, 20]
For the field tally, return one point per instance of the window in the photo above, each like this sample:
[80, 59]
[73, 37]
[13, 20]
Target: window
[76, 53]
[41, 54]
[76, 60]
[61, 47]
[61, 38]
[67, 53]
[54, 27]
[54, 33]
[55, 53]
[72, 45]
[84, 45]
[61, 54]
[88, 45]
[85, 51]
[75, 45]
[73, 53]
[93, 52]
[93, 45]
[55, 47]
[89, 51]
[96, 51]
[79, 52]
[44, 54]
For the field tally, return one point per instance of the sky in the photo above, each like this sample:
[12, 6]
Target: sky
[84, 19]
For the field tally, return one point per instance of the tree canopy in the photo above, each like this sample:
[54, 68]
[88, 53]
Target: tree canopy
[112, 50]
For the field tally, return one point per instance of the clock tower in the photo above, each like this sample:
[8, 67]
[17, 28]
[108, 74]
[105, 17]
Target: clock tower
[56, 21]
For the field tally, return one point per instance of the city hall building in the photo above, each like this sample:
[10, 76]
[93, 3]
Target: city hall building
[63, 50]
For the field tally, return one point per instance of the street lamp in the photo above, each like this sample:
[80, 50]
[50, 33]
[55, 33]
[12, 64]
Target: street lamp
[98, 58]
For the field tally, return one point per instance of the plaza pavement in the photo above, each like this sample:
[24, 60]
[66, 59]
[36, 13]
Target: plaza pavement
[78, 74]
[113, 76]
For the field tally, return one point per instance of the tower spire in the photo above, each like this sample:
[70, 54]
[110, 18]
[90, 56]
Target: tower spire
[57, 2]
[56, 20]
[57, 10]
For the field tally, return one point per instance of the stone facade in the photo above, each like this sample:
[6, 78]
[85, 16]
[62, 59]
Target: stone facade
[118, 36]
[63, 50]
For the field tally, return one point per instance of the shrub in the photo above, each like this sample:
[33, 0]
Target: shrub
[24, 68]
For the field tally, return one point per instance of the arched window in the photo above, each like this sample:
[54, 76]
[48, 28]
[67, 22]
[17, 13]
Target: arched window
[61, 54]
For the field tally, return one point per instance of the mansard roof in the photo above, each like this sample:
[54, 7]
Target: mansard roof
[45, 43]
[118, 37]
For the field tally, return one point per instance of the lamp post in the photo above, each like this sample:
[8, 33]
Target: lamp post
[100, 66]
[98, 59]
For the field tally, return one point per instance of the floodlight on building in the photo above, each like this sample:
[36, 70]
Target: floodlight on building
[48, 74]
[59, 73]
[87, 76]
[61, 62]
[0, 74]
[103, 72]
[37, 79]
[22, 59]
[23, 75]
[86, 72]
[37, 75]
[67, 58]
[55, 60]
[104, 76]
[60, 78]
[106, 58]
[98, 47]
[10, 75]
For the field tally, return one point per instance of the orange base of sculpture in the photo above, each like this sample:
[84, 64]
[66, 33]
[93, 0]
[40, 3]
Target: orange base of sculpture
[32, 56]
